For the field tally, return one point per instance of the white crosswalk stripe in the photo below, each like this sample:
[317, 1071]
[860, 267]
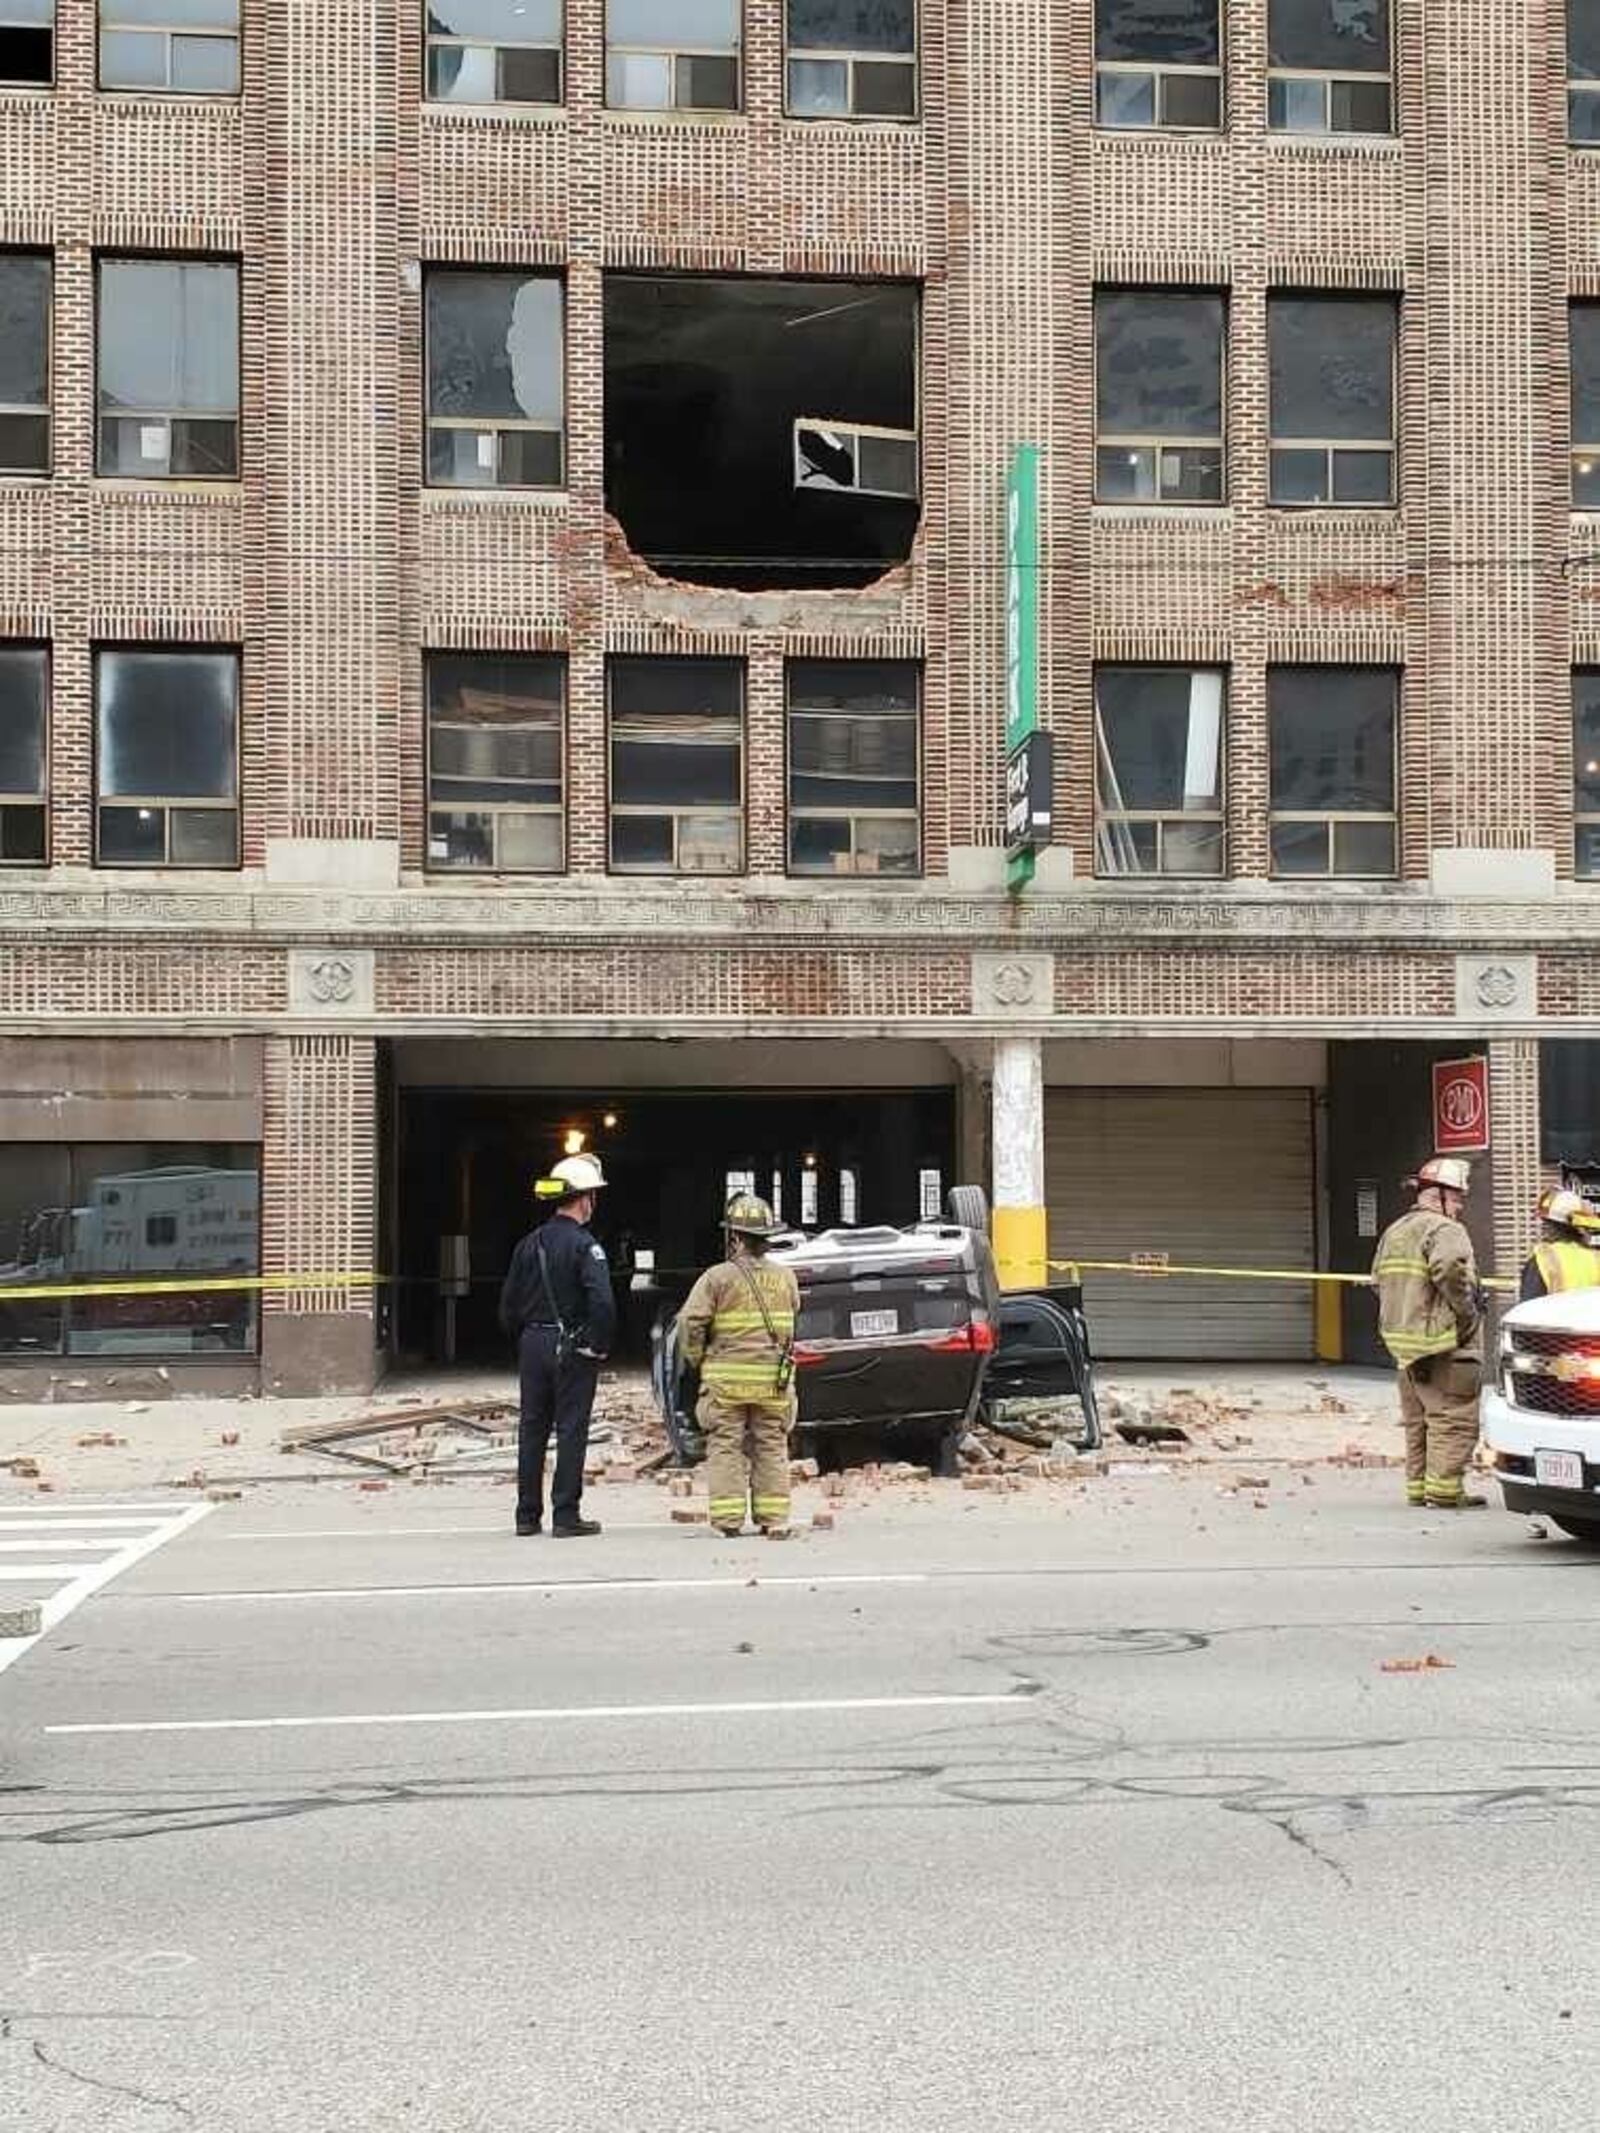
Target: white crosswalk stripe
[61, 1557]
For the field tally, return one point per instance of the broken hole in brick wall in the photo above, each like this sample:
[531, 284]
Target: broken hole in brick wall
[760, 432]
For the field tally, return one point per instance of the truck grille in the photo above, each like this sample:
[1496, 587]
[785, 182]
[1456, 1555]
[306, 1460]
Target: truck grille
[1552, 1373]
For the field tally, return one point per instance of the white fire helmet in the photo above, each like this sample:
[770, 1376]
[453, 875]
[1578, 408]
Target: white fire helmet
[1449, 1172]
[571, 1177]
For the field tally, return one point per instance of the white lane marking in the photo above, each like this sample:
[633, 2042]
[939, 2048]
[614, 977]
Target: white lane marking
[58, 1543]
[8, 1524]
[85, 1579]
[496, 1532]
[645, 1586]
[551, 1711]
[147, 1511]
[32, 1573]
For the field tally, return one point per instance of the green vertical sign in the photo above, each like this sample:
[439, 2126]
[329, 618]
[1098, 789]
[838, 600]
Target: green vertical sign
[1022, 626]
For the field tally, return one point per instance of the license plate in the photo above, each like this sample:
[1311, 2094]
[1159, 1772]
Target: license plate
[872, 1325]
[1558, 1470]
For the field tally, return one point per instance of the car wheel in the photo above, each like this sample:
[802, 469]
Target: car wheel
[968, 1205]
[1579, 1529]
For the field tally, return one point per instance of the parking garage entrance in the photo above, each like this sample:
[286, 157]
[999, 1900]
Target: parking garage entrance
[466, 1159]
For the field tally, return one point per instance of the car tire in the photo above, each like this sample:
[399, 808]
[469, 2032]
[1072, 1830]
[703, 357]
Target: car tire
[968, 1205]
[1586, 1530]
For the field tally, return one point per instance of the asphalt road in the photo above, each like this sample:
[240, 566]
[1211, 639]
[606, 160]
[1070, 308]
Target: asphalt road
[967, 1816]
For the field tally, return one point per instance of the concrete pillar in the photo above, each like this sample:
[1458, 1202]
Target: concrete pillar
[1020, 1225]
[1515, 1177]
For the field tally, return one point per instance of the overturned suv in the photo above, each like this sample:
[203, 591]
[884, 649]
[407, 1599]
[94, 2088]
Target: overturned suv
[905, 1334]
[1541, 1417]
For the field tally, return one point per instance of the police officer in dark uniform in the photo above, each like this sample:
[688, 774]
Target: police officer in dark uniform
[557, 1306]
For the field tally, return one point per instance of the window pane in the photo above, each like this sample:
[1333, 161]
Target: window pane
[852, 685]
[1192, 100]
[35, 1232]
[1191, 848]
[819, 88]
[203, 836]
[132, 836]
[707, 85]
[1339, 36]
[22, 834]
[887, 466]
[885, 845]
[494, 346]
[497, 21]
[463, 839]
[818, 846]
[1332, 366]
[1170, 32]
[463, 74]
[22, 718]
[494, 729]
[206, 65]
[171, 14]
[1584, 325]
[1332, 738]
[148, 1212]
[169, 336]
[24, 330]
[530, 77]
[638, 81]
[885, 90]
[1300, 848]
[676, 762]
[1359, 107]
[1126, 100]
[167, 725]
[1583, 115]
[1586, 739]
[1363, 477]
[25, 444]
[648, 687]
[641, 841]
[1160, 738]
[1158, 364]
[530, 459]
[1588, 851]
[1583, 40]
[675, 25]
[1363, 848]
[133, 59]
[530, 844]
[207, 451]
[1300, 477]
[1125, 474]
[1297, 106]
[852, 25]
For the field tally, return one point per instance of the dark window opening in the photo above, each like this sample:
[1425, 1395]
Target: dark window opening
[494, 761]
[1586, 768]
[24, 363]
[24, 689]
[1583, 71]
[761, 432]
[1159, 733]
[27, 42]
[854, 780]
[1333, 770]
[1158, 63]
[496, 380]
[853, 59]
[1584, 341]
[1159, 397]
[677, 766]
[1332, 399]
[167, 758]
[1330, 67]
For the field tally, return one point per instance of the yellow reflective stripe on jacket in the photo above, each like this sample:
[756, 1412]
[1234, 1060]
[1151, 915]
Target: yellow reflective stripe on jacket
[1568, 1266]
[1412, 1347]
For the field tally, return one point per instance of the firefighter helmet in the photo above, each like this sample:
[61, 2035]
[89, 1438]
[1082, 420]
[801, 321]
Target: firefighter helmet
[748, 1215]
[1448, 1172]
[1563, 1209]
[569, 1179]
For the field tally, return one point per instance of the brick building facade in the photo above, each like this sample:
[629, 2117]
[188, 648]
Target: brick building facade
[293, 1003]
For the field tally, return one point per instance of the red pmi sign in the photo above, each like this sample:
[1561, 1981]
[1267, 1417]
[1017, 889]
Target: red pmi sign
[1461, 1106]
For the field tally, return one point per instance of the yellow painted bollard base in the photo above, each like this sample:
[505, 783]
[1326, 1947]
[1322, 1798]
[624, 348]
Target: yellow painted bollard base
[1329, 1309]
[1022, 1247]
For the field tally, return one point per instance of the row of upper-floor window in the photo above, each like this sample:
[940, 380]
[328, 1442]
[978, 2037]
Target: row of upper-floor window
[166, 789]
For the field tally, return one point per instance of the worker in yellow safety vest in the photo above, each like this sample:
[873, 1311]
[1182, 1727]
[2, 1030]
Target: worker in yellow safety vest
[1567, 1257]
[1430, 1309]
[738, 1328]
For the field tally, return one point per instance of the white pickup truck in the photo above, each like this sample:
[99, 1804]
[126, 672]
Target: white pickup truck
[1541, 1413]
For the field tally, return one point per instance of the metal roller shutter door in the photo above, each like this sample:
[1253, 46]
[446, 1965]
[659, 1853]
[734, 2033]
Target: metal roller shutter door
[1210, 1177]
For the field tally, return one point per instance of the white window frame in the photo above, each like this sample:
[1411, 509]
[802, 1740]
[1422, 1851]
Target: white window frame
[1160, 73]
[1330, 79]
[1110, 821]
[851, 433]
[799, 55]
[674, 54]
[194, 33]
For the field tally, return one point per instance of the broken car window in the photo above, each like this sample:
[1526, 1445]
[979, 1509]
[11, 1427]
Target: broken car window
[672, 55]
[1158, 63]
[494, 51]
[1158, 396]
[23, 695]
[853, 59]
[494, 760]
[496, 390]
[168, 354]
[167, 758]
[1333, 769]
[27, 42]
[853, 767]
[1159, 782]
[24, 363]
[1332, 399]
[174, 47]
[677, 772]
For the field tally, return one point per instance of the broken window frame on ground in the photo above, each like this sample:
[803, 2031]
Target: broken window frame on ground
[1346, 824]
[852, 66]
[169, 32]
[682, 60]
[1197, 454]
[1336, 451]
[1586, 779]
[1583, 362]
[721, 726]
[505, 55]
[175, 422]
[816, 692]
[492, 424]
[873, 457]
[1326, 95]
[1124, 834]
[495, 817]
[1145, 90]
[24, 753]
[25, 439]
[172, 815]
[1583, 73]
[28, 35]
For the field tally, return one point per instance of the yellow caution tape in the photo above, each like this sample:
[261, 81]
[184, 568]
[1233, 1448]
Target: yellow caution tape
[202, 1285]
[1156, 1270]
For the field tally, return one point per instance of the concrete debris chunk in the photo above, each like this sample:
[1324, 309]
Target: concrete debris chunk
[22, 1618]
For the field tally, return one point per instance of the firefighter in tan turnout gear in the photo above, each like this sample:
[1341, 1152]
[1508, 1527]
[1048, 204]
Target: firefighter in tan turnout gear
[738, 1327]
[1431, 1320]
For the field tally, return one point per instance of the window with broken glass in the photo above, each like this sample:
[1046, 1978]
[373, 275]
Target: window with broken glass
[27, 43]
[1583, 72]
[1159, 396]
[1332, 399]
[496, 389]
[493, 51]
[1583, 335]
[24, 693]
[494, 761]
[25, 280]
[1159, 770]
[1332, 747]
[672, 55]
[677, 766]
[171, 47]
[1158, 63]
[168, 356]
[1330, 67]
[1586, 769]
[167, 758]
[853, 59]
[853, 767]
